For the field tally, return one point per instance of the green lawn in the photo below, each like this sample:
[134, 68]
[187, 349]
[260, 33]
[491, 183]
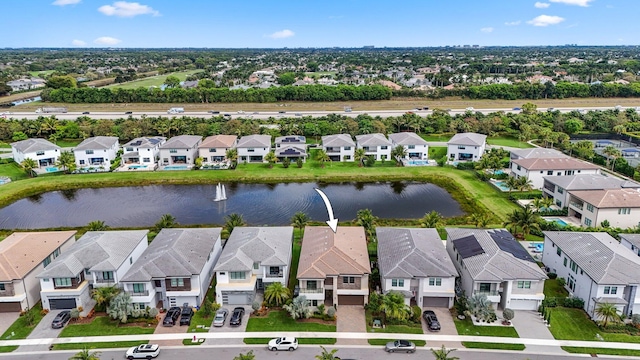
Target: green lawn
[20, 329]
[68, 143]
[103, 326]
[13, 171]
[157, 80]
[279, 320]
[302, 341]
[553, 289]
[574, 324]
[437, 152]
[436, 137]
[466, 327]
[40, 73]
[508, 141]
[98, 345]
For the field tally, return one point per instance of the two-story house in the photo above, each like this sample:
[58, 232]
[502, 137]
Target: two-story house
[559, 187]
[213, 149]
[99, 151]
[42, 151]
[536, 153]
[98, 258]
[334, 268]
[253, 148]
[494, 263]
[537, 169]
[23, 255]
[175, 269]
[252, 259]
[466, 147]
[376, 145]
[180, 150]
[142, 153]
[415, 146]
[339, 147]
[620, 207]
[415, 262]
[631, 242]
[596, 268]
[292, 147]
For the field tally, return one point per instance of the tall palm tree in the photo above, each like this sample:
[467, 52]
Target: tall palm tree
[393, 306]
[398, 153]
[271, 159]
[97, 225]
[537, 204]
[28, 165]
[276, 294]
[443, 354]
[327, 355]
[431, 220]
[359, 155]
[366, 219]
[523, 220]
[322, 157]
[166, 221]
[67, 160]
[512, 183]
[608, 313]
[524, 184]
[232, 221]
[612, 154]
[85, 354]
[300, 220]
[232, 156]
[480, 220]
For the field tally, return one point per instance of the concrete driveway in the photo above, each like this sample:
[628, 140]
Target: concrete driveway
[6, 319]
[351, 318]
[529, 324]
[42, 331]
[228, 328]
[447, 327]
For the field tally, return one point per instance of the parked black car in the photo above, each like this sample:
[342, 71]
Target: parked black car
[61, 319]
[128, 112]
[186, 314]
[432, 320]
[172, 316]
[236, 316]
[85, 113]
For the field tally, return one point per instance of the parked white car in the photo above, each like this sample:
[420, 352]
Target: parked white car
[144, 351]
[283, 343]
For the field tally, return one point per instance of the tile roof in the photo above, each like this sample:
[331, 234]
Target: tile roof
[554, 164]
[96, 251]
[174, 252]
[602, 257]
[337, 140]
[269, 245]
[182, 142]
[610, 198]
[97, 143]
[145, 142]
[372, 140]
[21, 252]
[291, 139]
[468, 139]
[495, 264]
[412, 253]
[537, 153]
[218, 141]
[325, 253]
[291, 151]
[634, 239]
[407, 138]
[33, 145]
[254, 141]
[590, 182]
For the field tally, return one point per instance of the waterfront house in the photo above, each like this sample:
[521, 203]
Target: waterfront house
[42, 151]
[292, 147]
[466, 147]
[619, 207]
[376, 145]
[536, 153]
[180, 150]
[143, 152]
[415, 146]
[213, 150]
[253, 148]
[339, 147]
[97, 152]
[537, 169]
[558, 187]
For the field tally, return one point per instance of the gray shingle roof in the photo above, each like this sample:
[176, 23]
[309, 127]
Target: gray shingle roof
[145, 142]
[407, 138]
[337, 140]
[602, 257]
[412, 253]
[538, 153]
[33, 145]
[494, 264]
[96, 251]
[182, 142]
[634, 239]
[254, 141]
[270, 246]
[97, 143]
[173, 253]
[590, 182]
[372, 140]
[471, 139]
[555, 164]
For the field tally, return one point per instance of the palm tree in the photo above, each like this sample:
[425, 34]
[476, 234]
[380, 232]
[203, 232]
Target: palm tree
[300, 220]
[85, 354]
[480, 220]
[431, 220]
[443, 354]
[367, 220]
[97, 225]
[612, 153]
[28, 165]
[322, 157]
[537, 204]
[393, 306]
[327, 355]
[166, 221]
[48, 125]
[276, 294]
[103, 295]
[524, 184]
[547, 202]
[232, 221]
[511, 183]
[271, 159]
[359, 155]
[524, 220]
[398, 153]
[608, 313]
[232, 156]
[67, 160]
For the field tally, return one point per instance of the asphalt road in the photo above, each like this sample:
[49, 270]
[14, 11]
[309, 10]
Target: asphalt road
[267, 115]
[303, 353]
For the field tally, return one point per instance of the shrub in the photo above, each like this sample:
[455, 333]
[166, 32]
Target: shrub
[508, 314]
[552, 276]
[256, 306]
[331, 312]
[562, 282]
[320, 309]
[470, 165]
[573, 302]
[482, 176]
[635, 320]
[416, 312]
[153, 312]
[550, 302]
[75, 313]
[461, 305]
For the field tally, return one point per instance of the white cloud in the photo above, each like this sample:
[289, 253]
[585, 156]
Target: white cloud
[65, 2]
[545, 20]
[486, 30]
[541, 5]
[583, 3]
[127, 9]
[513, 23]
[107, 40]
[282, 34]
[76, 42]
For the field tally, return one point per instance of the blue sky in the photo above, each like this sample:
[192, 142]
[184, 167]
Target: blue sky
[317, 23]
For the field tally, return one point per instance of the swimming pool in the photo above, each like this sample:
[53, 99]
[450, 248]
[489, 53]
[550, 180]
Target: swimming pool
[417, 162]
[176, 167]
[4, 180]
[51, 169]
[539, 246]
[137, 166]
[502, 185]
[498, 172]
[557, 221]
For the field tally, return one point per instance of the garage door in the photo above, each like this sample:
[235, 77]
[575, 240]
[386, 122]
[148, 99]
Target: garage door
[10, 306]
[518, 304]
[435, 302]
[350, 299]
[62, 304]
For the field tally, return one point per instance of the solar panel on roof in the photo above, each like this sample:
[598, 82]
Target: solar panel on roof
[136, 143]
[468, 246]
[506, 242]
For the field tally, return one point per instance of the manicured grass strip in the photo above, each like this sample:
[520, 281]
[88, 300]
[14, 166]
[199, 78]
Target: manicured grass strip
[198, 319]
[553, 289]
[103, 326]
[302, 341]
[281, 321]
[508, 141]
[98, 345]
[466, 327]
[6, 349]
[437, 152]
[574, 324]
[13, 171]
[384, 342]
[619, 352]
[157, 80]
[494, 346]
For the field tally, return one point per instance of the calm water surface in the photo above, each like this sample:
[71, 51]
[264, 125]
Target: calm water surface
[259, 204]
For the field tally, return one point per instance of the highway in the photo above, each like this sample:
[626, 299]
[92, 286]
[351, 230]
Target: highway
[266, 115]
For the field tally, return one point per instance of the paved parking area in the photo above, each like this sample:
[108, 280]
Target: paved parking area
[351, 318]
[228, 328]
[175, 329]
[529, 324]
[42, 331]
[447, 327]
[6, 319]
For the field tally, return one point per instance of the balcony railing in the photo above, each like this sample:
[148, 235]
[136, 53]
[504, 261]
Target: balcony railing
[311, 291]
[105, 281]
[576, 205]
[332, 151]
[488, 293]
[278, 275]
[7, 292]
[138, 293]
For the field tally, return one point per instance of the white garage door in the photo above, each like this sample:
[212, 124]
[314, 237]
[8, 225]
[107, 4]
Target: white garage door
[520, 304]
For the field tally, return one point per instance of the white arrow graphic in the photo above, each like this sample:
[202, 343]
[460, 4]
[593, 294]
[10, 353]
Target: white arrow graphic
[333, 223]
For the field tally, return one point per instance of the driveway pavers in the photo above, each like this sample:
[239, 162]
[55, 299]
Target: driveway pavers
[351, 318]
[447, 327]
[530, 325]
[175, 329]
[228, 328]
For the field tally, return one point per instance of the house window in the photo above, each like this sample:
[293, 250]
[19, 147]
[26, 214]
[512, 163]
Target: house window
[138, 288]
[212, 150]
[612, 290]
[251, 150]
[518, 167]
[397, 282]
[461, 147]
[62, 282]
[524, 284]
[560, 190]
[590, 207]
[348, 280]
[81, 162]
[435, 281]
[312, 284]
[237, 275]
[141, 306]
[256, 265]
[624, 211]
[56, 253]
[559, 251]
[347, 157]
[411, 147]
[607, 289]
[173, 151]
[2, 288]
[146, 159]
[587, 221]
[485, 287]
[177, 282]
[89, 152]
[550, 172]
[107, 275]
[274, 270]
[157, 283]
[347, 148]
[573, 266]
[314, 302]
[129, 149]
[46, 261]
[384, 147]
[87, 272]
[130, 260]
[565, 262]
[40, 153]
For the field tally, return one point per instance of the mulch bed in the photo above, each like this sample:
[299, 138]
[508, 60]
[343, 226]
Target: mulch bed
[88, 320]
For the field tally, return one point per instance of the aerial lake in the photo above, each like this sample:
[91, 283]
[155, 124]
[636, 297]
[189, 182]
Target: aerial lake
[259, 204]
